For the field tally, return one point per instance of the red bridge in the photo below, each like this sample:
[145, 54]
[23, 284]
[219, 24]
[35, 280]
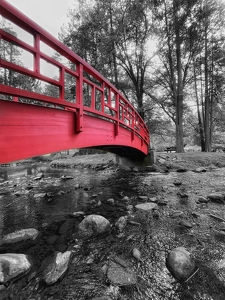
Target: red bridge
[78, 108]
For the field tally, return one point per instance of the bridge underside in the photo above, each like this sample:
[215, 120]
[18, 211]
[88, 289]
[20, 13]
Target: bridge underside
[30, 130]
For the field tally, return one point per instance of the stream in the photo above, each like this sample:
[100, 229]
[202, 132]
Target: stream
[37, 196]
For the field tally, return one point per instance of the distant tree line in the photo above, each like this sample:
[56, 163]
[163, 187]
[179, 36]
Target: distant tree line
[185, 71]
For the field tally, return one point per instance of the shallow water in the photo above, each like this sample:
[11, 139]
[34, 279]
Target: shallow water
[20, 207]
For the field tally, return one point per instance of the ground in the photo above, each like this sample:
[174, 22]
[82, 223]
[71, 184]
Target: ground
[192, 160]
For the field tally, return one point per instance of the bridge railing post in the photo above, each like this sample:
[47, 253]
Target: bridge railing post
[37, 54]
[79, 98]
[117, 114]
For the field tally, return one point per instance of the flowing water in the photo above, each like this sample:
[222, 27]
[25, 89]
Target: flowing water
[22, 204]
[28, 199]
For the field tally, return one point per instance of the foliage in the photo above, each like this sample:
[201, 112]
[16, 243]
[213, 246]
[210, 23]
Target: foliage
[12, 53]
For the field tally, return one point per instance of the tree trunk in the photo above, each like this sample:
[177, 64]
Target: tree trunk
[179, 100]
[206, 125]
[201, 130]
[113, 48]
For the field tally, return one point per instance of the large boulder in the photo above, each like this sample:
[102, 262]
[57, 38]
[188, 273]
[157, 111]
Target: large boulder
[13, 265]
[55, 266]
[180, 264]
[93, 225]
[19, 240]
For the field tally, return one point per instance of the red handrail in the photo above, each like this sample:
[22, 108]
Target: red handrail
[112, 104]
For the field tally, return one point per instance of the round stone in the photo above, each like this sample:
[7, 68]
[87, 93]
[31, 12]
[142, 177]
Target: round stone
[180, 264]
[93, 225]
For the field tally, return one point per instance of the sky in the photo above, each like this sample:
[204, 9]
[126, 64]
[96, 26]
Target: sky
[49, 14]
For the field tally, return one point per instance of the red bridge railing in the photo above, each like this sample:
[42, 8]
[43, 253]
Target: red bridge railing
[90, 92]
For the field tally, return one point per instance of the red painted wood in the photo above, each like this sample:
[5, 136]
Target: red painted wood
[29, 130]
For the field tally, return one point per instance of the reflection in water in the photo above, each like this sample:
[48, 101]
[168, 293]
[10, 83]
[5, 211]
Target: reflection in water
[22, 205]
[19, 172]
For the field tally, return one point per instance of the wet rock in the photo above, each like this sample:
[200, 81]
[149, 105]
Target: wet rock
[20, 239]
[111, 201]
[180, 264]
[134, 223]
[55, 266]
[222, 227]
[77, 214]
[156, 214]
[153, 199]
[66, 177]
[143, 198]
[136, 254]
[177, 182]
[126, 198]
[2, 288]
[90, 259]
[200, 170]
[120, 275]
[161, 161]
[121, 223]
[181, 170]
[39, 176]
[216, 197]
[93, 225]
[126, 168]
[218, 267]
[60, 193]
[99, 203]
[40, 195]
[202, 199]
[195, 214]
[146, 207]
[176, 214]
[220, 233]
[185, 223]
[17, 194]
[13, 266]
[182, 194]
[162, 202]
[130, 207]
[135, 169]
[152, 168]
[29, 187]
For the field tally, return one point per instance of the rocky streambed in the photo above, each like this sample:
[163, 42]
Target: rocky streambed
[93, 229]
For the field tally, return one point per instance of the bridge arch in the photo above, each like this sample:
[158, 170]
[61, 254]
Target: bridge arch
[93, 114]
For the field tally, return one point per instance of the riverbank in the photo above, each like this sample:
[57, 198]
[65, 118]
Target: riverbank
[172, 161]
